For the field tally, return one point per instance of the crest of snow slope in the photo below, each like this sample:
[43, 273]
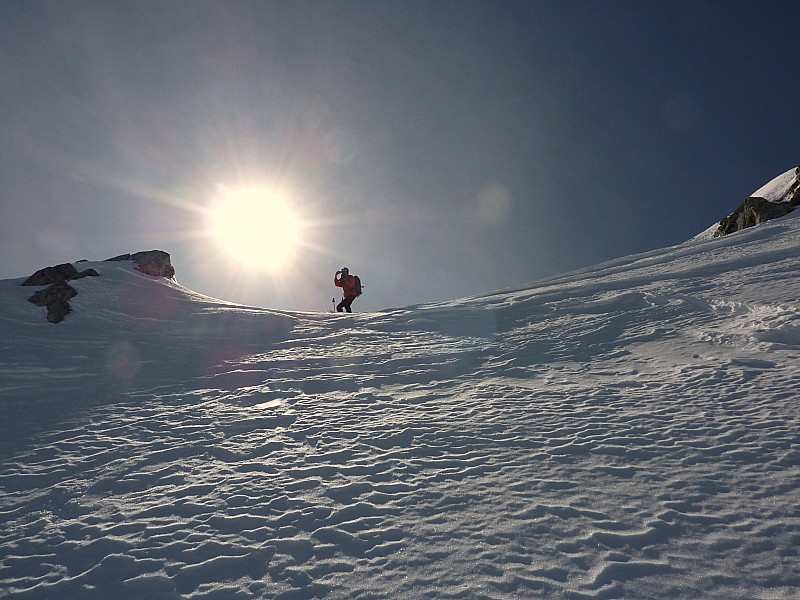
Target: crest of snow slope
[778, 189]
[626, 431]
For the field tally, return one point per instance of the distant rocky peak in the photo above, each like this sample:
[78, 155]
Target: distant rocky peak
[776, 199]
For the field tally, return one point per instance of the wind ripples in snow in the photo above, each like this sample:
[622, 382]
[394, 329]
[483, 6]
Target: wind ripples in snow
[632, 436]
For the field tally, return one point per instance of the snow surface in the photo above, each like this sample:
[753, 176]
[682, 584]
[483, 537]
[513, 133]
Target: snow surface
[625, 431]
[778, 189]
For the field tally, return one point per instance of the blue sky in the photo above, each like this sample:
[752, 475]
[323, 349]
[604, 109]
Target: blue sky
[438, 149]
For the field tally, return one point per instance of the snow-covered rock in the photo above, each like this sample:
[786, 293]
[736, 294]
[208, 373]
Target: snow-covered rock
[777, 198]
[57, 296]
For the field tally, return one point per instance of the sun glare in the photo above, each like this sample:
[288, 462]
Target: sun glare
[256, 226]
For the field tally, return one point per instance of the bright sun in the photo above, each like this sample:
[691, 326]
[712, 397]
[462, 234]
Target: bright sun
[256, 226]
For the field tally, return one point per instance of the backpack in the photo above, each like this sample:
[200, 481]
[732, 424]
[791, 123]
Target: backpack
[358, 285]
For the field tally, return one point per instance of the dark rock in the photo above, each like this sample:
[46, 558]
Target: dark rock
[57, 291]
[154, 262]
[65, 272]
[50, 275]
[56, 298]
[151, 262]
[87, 273]
[752, 211]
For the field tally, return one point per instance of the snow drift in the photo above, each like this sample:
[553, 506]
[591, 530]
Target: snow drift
[625, 431]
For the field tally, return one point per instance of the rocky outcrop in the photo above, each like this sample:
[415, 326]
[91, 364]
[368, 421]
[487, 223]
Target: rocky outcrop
[57, 295]
[56, 298]
[757, 210]
[151, 262]
[751, 212]
[50, 275]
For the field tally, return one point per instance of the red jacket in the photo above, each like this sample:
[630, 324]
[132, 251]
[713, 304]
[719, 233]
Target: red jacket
[348, 285]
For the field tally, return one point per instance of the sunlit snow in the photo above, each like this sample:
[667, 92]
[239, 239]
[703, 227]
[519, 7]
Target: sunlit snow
[776, 190]
[626, 431]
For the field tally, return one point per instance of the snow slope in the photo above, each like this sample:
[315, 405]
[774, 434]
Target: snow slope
[780, 188]
[625, 431]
